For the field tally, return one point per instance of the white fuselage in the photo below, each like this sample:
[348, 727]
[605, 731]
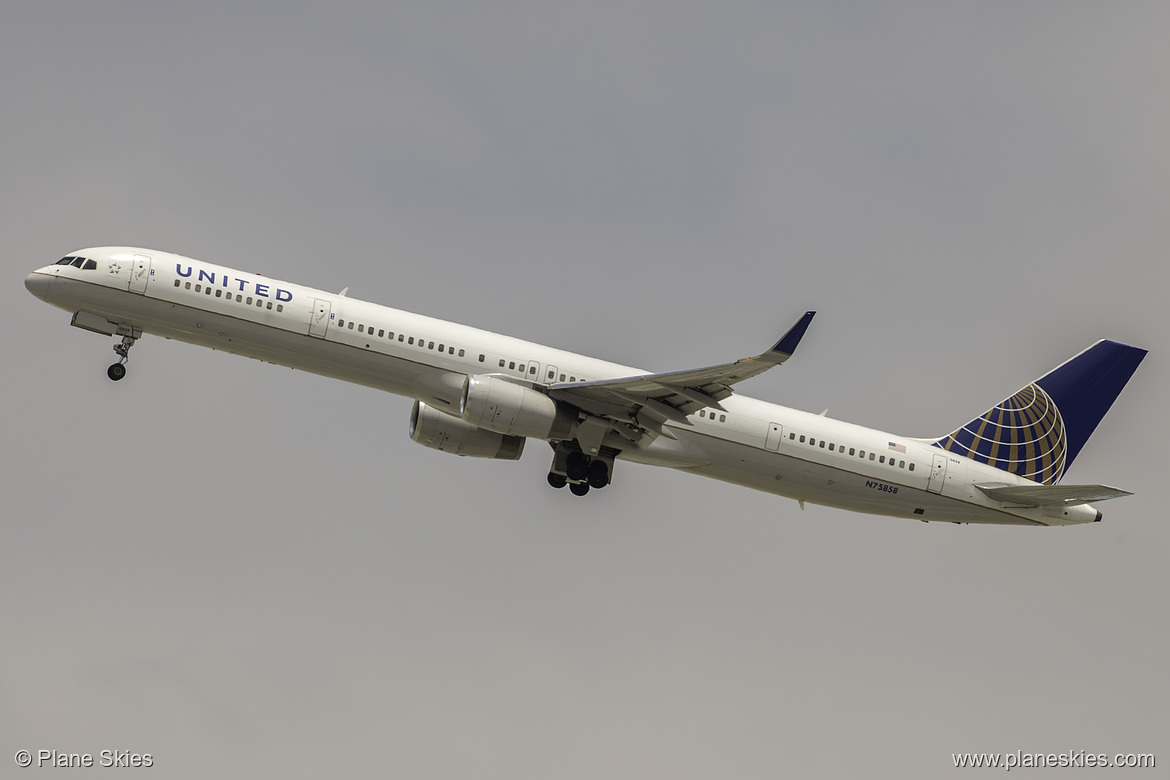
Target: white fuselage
[752, 443]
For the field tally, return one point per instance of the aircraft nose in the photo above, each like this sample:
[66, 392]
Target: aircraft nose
[38, 284]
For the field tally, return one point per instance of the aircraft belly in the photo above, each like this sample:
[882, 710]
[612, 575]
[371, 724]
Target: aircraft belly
[817, 483]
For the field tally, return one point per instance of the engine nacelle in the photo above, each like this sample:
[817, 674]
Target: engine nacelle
[501, 406]
[431, 428]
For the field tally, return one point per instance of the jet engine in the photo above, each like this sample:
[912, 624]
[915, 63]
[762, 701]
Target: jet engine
[445, 433]
[504, 407]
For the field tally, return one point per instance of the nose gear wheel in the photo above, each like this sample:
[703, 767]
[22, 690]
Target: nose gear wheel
[118, 370]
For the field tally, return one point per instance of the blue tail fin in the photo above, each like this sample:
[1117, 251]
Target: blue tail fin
[1037, 432]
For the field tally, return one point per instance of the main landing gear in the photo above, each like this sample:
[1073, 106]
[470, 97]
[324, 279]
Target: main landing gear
[118, 370]
[580, 472]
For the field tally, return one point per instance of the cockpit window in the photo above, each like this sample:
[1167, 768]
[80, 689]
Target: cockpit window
[79, 262]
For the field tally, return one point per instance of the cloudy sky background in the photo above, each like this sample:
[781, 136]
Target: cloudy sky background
[248, 571]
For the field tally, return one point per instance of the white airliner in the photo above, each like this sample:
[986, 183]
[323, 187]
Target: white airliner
[482, 395]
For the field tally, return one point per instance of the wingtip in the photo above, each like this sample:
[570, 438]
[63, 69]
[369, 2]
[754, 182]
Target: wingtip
[789, 341]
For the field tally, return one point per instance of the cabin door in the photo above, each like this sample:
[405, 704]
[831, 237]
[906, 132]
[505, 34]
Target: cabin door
[938, 474]
[319, 320]
[140, 274]
[775, 434]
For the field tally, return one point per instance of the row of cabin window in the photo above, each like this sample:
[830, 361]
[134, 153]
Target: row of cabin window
[382, 333]
[504, 362]
[247, 300]
[704, 413]
[860, 453]
[511, 366]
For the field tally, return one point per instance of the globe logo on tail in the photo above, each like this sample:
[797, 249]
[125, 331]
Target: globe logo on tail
[1024, 435]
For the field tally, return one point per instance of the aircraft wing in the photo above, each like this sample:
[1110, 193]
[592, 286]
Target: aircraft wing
[652, 399]
[1051, 495]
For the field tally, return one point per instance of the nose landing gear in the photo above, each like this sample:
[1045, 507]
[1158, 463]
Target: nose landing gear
[118, 370]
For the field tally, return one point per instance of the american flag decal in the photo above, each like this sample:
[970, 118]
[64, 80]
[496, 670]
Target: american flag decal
[897, 447]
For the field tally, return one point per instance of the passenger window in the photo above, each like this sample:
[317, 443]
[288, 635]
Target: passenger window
[802, 438]
[511, 364]
[361, 328]
[722, 418]
[882, 459]
[552, 374]
[792, 436]
[532, 369]
[269, 306]
[259, 303]
[187, 286]
[442, 348]
[702, 412]
[219, 293]
[400, 338]
[280, 307]
[812, 442]
[871, 456]
[830, 448]
[431, 345]
[572, 379]
[911, 466]
[350, 326]
[239, 298]
[521, 369]
[461, 353]
[451, 351]
[249, 302]
[501, 362]
[198, 288]
[90, 265]
[901, 464]
[381, 332]
[207, 290]
[341, 323]
[852, 451]
[822, 444]
[562, 378]
[177, 283]
[481, 358]
[410, 340]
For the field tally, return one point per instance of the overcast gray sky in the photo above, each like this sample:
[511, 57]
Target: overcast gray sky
[248, 571]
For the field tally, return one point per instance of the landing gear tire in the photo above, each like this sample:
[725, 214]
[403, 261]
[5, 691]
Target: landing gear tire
[557, 480]
[577, 467]
[579, 488]
[118, 370]
[598, 474]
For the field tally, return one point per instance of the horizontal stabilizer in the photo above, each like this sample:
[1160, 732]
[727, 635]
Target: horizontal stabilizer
[1051, 495]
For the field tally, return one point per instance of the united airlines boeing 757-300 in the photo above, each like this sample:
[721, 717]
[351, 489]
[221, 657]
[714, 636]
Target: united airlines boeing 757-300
[481, 394]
